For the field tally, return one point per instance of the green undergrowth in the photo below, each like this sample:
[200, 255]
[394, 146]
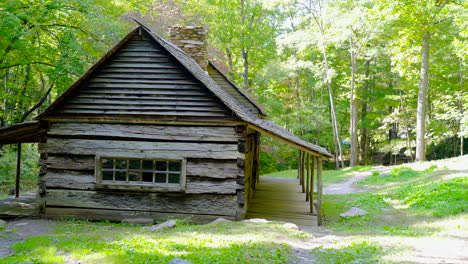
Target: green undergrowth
[80, 241]
[394, 176]
[329, 176]
[398, 201]
[29, 169]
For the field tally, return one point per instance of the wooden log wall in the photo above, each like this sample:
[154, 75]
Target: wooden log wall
[214, 173]
[306, 174]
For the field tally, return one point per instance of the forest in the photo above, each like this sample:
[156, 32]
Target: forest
[371, 81]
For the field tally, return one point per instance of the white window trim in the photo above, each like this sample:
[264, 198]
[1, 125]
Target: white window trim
[157, 187]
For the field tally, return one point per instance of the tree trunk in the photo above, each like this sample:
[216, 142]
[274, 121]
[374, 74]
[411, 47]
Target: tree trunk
[353, 107]
[365, 90]
[422, 97]
[229, 57]
[336, 135]
[245, 58]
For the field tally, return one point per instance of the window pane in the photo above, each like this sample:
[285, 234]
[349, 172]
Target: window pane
[174, 178]
[148, 165]
[161, 165]
[134, 164]
[120, 175]
[174, 166]
[147, 177]
[134, 176]
[160, 177]
[107, 175]
[120, 164]
[107, 163]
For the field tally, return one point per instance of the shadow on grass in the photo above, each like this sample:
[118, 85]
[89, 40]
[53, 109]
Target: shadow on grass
[108, 243]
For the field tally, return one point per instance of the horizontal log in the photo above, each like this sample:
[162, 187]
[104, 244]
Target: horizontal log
[140, 102]
[134, 77]
[70, 162]
[151, 85]
[174, 133]
[163, 80]
[129, 70]
[142, 65]
[178, 99]
[136, 53]
[197, 185]
[163, 150]
[152, 202]
[143, 108]
[141, 59]
[69, 181]
[139, 113]
[119, 215]
[151, 92]
[213, 169]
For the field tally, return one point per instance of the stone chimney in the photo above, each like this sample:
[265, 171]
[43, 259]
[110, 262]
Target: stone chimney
[192, 40]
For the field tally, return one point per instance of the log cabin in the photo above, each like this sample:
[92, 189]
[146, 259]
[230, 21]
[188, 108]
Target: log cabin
[151, 130]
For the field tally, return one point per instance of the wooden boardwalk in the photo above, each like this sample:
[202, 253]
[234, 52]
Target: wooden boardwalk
[280, 199]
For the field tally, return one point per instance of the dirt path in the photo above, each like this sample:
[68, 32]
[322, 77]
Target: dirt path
[19, 230]
[346, 186]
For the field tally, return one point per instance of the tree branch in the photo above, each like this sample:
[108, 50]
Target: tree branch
[41, 101]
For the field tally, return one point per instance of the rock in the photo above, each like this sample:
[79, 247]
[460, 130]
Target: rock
[167, 224]
[354, 211]
[220, 220]
[3, 224]
[256, 221]
[383, 174]
[138, 221]
[179, 261]
[290, 225]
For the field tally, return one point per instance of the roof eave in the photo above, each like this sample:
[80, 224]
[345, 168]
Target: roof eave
[260, 110]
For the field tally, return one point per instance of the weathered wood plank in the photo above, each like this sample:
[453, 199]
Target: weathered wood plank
[140, 102]
[213, 169]
[137, 149]
[280, 199]
[143, 108]
[141, 76]
[151, 85]
[153, 202]
[70, 162]
[180, 133]
[129, 70]
[162, 80]
[24, 206]
[132, 112]
[142, 65]
[196, 186]
[119, 215]
[69, 181]
[120, 91]
[178, 99]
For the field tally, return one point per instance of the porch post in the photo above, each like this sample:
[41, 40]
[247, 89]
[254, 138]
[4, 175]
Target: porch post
[18, 170]
[307, 167]
[312, 168]
[319, 191]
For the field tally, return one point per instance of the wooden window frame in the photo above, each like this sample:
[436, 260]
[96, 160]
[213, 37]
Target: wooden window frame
[141, 186]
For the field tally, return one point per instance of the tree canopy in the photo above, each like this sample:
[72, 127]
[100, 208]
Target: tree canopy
[347, 75]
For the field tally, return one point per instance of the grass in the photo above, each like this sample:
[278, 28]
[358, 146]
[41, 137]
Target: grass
[406, 206]
[354, 252]
[329, 176]
[80, 241]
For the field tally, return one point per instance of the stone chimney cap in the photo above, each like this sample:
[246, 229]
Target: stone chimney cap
[192, 40]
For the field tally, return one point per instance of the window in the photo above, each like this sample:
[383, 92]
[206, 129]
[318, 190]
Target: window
[141, 172]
